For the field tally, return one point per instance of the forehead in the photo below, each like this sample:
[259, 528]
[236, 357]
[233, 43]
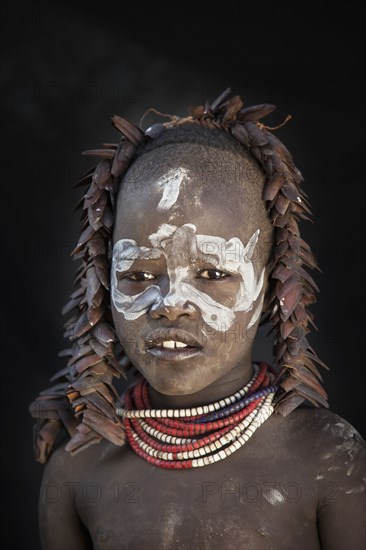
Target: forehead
[217, 191]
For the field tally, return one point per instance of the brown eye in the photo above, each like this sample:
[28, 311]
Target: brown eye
[212, 274]
[139, 276]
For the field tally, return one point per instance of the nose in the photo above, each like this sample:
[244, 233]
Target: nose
[172, 308]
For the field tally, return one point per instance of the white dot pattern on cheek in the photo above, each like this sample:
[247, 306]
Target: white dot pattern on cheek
[231, 256]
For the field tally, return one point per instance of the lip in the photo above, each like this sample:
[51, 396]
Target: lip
[177, 354]
[158, 336]
[169, 354]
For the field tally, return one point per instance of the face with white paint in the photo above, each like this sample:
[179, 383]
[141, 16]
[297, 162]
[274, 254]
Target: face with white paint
[190, 246]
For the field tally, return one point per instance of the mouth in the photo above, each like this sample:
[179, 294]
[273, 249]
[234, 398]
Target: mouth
[172, 344]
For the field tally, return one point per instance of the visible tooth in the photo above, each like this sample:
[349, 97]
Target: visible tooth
[180, 345]
[169, 344]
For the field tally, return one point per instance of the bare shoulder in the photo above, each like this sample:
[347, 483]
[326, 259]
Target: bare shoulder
[60, 521]
[323, 428]
[331, 446]
[341, 451]
[62, 466]
[334, 428]
[333, 453]
[320, 426]
[327, 430]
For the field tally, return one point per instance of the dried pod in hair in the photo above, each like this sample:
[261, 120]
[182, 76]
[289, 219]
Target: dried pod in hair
[255, 112]
[129, 130]
[122, 158]
[240, 133]
[103, 153]
[101, 173]
[256, 136]
[219, 100]
[272, 187]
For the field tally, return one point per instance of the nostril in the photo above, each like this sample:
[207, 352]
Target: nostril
[172, 310]
[189, 307]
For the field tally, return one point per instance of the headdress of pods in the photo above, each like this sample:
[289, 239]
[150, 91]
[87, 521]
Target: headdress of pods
[83, 400]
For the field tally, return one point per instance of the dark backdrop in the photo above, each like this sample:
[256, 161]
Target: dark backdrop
[66, 68]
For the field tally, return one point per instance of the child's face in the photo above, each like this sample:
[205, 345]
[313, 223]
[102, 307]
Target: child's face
[186, 268]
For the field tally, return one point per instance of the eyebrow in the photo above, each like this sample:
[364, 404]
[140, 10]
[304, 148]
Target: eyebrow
[136, 260]
[154, 254]
[142, 253]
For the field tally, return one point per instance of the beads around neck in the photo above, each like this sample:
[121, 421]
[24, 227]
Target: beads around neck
[197, 436]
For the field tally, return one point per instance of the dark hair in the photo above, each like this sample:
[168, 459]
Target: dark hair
[84, 399]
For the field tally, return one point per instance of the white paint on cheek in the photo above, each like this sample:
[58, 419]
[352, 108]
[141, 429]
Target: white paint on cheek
[257, 312]
[250, 286]
[132, 306]
[171, 182]
[234, 257]
[125, 252]
[211, 310]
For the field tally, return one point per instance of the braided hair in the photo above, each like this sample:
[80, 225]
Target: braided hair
[83, 400]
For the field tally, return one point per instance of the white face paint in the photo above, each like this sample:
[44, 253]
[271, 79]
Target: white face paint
[230, 256]
[170, 183]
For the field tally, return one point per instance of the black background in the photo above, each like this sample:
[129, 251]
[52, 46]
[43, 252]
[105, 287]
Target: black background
[66, 68]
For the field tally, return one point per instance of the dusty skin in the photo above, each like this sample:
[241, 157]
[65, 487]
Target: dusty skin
[297, 484]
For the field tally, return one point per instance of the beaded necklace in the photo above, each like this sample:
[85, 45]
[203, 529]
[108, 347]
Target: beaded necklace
[191, 438]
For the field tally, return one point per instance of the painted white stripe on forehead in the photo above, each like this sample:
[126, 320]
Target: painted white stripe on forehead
[171, 182]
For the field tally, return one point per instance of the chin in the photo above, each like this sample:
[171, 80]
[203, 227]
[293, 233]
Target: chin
[175, 387]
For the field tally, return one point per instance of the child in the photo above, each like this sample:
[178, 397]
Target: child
[190, 239]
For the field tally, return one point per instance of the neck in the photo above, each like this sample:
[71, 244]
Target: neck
[227, 385]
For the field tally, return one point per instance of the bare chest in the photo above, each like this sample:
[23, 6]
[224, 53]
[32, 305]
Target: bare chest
[244, 502]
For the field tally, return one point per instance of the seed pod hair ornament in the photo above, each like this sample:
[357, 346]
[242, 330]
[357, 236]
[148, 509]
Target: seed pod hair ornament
[84, 400]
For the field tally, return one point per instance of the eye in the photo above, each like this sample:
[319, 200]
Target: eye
[212, 274]
[138, 276]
